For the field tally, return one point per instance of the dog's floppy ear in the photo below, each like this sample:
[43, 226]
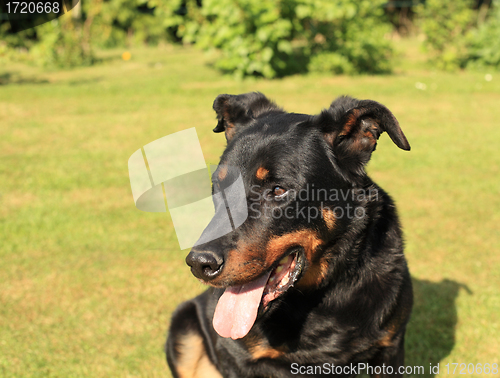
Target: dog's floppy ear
[352, 127]
[234, 111]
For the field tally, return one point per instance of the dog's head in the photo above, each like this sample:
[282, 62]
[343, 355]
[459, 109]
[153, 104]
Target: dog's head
[302, 185]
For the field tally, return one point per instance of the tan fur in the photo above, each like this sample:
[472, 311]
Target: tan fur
[259, 347]
[329, 218]
[222, 172]
[316, 273]
[265, 351]
[351, 121]
[277, 246]
[261, 173]
[242, 265]
[193, 361]
[386, 341]
[310, 241]
[247, 262]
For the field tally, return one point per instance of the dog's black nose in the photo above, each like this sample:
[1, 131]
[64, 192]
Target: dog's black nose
[204, 264]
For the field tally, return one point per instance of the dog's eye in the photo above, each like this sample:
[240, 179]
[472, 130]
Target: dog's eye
[278, 191]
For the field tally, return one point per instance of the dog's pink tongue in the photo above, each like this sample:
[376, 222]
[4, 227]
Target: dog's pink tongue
[237, 308]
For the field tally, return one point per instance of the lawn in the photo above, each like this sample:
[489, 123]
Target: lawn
[88, 282]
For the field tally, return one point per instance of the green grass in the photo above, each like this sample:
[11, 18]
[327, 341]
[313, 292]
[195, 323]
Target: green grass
[88, 282]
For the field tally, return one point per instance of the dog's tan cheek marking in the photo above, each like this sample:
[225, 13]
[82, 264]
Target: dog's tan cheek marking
[261, 173]
[193, 361]
[241, 264]
[304, 238]
[313, 277]
[329, 218]
[249, 261]
[310, 242]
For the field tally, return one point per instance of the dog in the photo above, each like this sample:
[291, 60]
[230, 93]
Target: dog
[314, 281]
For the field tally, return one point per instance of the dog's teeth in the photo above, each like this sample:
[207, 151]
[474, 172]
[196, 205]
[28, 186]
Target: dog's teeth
[271, 279]
[279, 269]
[284, 260]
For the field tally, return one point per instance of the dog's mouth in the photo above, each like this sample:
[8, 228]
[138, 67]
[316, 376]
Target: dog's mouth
[282, 278]
[239, 306]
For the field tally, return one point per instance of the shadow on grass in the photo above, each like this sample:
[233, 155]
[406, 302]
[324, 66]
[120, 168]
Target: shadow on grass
[430, 335]
[7, 78]
[84, 81]
[14, 78]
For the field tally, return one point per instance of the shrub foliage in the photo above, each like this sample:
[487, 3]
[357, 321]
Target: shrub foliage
[275, 38]
[454, 38]
[445, 25]
[265, 38]
[484, 42]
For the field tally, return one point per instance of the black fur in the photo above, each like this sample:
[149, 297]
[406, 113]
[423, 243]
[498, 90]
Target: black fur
[353, 297]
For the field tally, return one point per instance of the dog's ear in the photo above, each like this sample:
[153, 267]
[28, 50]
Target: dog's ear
[234, 111]
[352, 127]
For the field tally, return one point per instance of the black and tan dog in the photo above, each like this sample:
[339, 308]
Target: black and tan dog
[314, 282]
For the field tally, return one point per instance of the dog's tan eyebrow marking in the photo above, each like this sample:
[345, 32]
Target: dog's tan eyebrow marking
[261, 173]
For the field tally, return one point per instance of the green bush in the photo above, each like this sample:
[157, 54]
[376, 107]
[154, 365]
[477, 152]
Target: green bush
[61, 44]
[15, 46]
[346, 37]
[275, 38]
[253, 36]
[68, 42]
[484, 43]
[124, 22]
[445, 25]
